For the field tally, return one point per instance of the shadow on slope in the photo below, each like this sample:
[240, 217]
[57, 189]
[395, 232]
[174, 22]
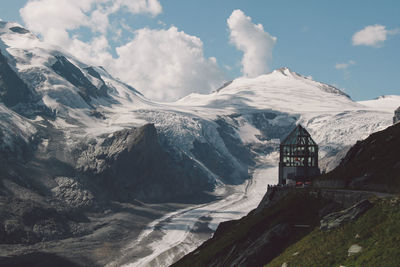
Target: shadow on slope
[372, 164]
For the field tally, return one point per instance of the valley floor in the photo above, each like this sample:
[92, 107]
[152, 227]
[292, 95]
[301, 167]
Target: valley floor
[113, 231]
[171, 237]
[148, 235]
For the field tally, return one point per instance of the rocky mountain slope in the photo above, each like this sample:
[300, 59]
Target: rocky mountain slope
[74, 139]
[396, 117]
[371, 164]
[292, 221]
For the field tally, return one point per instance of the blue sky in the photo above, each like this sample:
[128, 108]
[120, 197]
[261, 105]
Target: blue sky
[312, 38]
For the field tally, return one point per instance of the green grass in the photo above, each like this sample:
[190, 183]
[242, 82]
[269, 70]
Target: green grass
[377, 232]
[296, 208]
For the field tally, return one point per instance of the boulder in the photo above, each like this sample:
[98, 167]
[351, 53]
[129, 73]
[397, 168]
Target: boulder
[354, 249]
[337, 219]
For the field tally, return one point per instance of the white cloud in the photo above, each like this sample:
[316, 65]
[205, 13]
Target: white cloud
[255, 43]
[373, 35]
[42, 16]
[152, 7]
[168, 63]
[344, 66]
[163, 64]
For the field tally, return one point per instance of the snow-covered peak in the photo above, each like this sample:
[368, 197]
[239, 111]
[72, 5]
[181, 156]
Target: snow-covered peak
[13, 35]
[282, 90]
[57, 79]
[384, 103]
[285, 71]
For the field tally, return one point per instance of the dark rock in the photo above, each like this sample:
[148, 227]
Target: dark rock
[268, 241]
[339, 218]
[72, 193]
[103, 88]
[223, 226]
[13, 232]
[29, 222]
[371, 164]
[130, 164]
[273, 195]
[396, 117]
[333, 206]
[219, 163]
[19, 30]
[12, 89]
[233, 143]
[71, 73]
[224, 85]
[36, 259]
[49, 229]
[253, 253]
[97, 114]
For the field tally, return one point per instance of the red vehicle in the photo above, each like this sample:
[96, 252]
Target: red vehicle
[298, 184]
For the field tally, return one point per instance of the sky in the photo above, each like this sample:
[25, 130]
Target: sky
[168, 49]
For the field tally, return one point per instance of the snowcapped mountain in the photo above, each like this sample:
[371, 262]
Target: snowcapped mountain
[385, 102]
[74, 139]
[70, 111]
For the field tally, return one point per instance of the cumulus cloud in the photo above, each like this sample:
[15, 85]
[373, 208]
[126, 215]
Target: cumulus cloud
[43, 16]
[373, 35]
[163, 64]
[54, 20]
[256, 44]
[344, 66]
[168, 63]
[152, 7]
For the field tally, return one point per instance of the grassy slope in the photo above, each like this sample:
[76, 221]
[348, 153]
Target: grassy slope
[377, 232]
[372, 164]
[298, 207]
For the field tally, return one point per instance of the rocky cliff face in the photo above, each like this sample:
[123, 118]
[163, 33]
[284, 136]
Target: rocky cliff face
[12, 89]
[131, 164]
[51, 202]
[371, 164]
[396, 117]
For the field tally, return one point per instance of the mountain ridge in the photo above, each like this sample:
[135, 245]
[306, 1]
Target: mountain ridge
[87, 103]
[290, 217]
[82, 139]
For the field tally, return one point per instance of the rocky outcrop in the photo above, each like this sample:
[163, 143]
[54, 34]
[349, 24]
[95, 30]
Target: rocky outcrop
[372, 164]
[339, 218]
[396, 117]
[12, 89]
[248, 253]
[72, 193]
[16, 94]
[30, 222]
[130, 164]
[71, 73]
[273, 195]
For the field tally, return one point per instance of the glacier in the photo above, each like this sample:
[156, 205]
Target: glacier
[220, 145]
